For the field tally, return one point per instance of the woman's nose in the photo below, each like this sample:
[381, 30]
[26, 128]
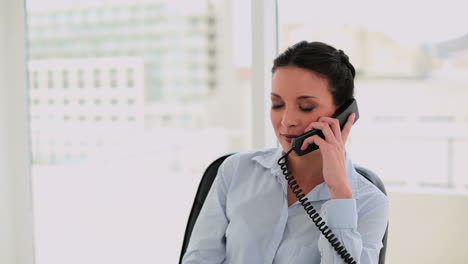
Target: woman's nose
[289, 119]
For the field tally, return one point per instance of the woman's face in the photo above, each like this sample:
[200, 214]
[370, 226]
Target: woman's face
[298, 98]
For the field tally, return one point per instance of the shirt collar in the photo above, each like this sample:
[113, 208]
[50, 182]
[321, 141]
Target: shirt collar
[269, 160]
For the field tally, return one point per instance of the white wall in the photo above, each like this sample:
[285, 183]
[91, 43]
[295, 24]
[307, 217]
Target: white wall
[427, 228]
[16, 246]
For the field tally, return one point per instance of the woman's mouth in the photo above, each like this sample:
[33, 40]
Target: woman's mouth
[288, 137]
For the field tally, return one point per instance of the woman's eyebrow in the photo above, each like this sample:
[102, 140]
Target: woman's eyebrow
[307, 97]
[298, 98]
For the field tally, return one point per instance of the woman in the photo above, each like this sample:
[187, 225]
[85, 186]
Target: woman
[251, 216]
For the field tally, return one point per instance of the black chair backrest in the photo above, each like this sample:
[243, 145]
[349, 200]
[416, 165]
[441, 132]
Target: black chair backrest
[372, 177]
[202, 192]
[210, 175]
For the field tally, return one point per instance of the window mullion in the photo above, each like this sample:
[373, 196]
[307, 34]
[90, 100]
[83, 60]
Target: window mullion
[264, 50]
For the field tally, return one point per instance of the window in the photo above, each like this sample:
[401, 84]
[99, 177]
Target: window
[97, 78]
[80, 77]
[113, 78]
[130, 81]
[65, 79]
[125, 115]
[50, 79]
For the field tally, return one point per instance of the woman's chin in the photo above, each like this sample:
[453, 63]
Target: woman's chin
[286, 146]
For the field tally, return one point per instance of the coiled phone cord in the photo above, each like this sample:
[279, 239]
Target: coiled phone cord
[313, 214]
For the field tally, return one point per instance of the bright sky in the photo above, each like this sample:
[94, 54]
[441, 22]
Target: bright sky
[413, 21]
[43, 5]
[408, 21]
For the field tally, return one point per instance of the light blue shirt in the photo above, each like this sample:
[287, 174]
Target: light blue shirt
[246, 217]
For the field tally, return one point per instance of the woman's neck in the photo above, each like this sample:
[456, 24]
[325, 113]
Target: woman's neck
[307, 167]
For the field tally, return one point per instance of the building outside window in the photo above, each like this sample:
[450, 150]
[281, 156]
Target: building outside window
[118, 102]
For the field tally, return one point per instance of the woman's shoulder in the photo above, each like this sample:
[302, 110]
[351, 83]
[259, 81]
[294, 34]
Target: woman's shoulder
[247, 160]
[262, 156]
[240, 164]
[369, 191]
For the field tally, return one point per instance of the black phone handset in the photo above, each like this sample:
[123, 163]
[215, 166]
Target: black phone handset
[342, 114]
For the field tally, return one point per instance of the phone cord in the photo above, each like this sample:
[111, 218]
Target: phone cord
[313, 214]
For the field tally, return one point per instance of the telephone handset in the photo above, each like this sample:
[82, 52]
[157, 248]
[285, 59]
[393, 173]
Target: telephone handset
[342, 114]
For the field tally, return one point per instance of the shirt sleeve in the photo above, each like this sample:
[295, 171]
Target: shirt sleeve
[207, 242]
[361, 236]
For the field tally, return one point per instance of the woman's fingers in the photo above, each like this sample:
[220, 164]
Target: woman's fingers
[315, 139]
[347, 127]
[334, 126]
[325, 128]
[330, 128]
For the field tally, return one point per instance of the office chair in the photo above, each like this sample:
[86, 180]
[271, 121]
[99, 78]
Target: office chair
[210, 175]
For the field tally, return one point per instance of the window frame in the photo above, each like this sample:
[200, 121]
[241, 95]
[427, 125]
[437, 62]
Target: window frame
[16, 216]
[264, 14]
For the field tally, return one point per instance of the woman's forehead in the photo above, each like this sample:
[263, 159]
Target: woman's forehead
[297, 81]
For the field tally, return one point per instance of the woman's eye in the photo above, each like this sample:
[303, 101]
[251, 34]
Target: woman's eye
[276, 106]
[306, 109]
